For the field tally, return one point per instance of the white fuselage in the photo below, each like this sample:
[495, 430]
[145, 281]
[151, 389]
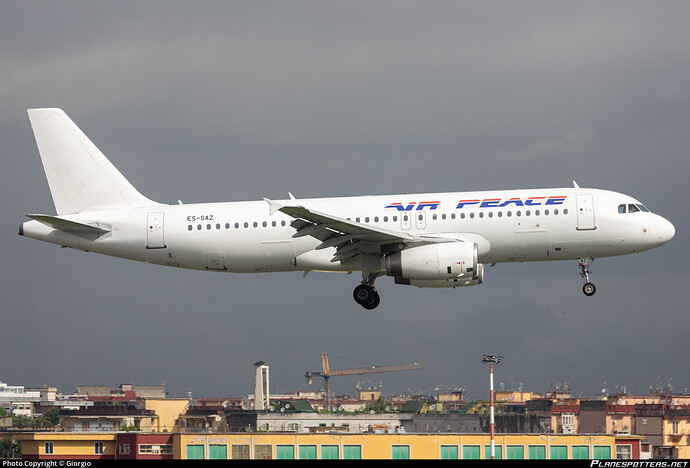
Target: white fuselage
[507, 226]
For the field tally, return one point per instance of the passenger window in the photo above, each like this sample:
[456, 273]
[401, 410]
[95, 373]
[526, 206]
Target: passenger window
[246, 225]
[385, 219]
[264, 224]
[518, 213]
[510, 213]
[198, 227]
[632, 208]
[491, 214]
[282, 223]
[237, 225]
[621, 208]
[255, 224]
[376, 219]
[366, 220]
[434, 217]
[546, 212]
[395, 218]
[189, 227]
[462, 215]
[273, 223]
[357, 219]
[443, 216]
[555, 212]
[527, 213]
[452, 216]
[500, 214]
[472, 215]
[481, 214]
[227, 225]
[565, 211]
[217, 225]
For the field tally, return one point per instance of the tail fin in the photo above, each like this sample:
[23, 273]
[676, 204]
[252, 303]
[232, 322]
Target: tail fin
[80, 177]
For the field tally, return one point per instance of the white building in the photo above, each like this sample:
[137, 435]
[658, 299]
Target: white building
[15, 399]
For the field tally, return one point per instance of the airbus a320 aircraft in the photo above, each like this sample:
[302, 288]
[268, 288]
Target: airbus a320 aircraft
[435, 240]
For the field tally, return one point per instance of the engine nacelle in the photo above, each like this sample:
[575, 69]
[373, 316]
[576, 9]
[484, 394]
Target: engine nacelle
[449, 283]
[442, 261]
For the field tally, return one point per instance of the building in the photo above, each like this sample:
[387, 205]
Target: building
[49, 446]
[15, 399]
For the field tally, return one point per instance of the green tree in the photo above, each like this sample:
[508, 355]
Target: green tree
[52, 417]
[10, 448]
[378, 406]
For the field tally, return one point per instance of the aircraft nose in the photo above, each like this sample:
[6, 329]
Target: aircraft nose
[664, 230]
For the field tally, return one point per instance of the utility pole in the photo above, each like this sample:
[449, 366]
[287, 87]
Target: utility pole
[492, 359]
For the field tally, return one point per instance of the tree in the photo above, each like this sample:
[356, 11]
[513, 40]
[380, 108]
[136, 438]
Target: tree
[10, 448]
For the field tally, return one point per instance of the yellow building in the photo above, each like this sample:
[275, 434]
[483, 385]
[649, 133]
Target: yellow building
[393, 446]
[167, 410]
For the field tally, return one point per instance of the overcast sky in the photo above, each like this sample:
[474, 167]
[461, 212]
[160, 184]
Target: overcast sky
[222, 101]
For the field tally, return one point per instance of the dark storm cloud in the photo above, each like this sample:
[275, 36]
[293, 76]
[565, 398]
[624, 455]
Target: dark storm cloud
[214, 102]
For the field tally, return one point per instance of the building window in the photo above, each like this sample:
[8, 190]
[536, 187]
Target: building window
[263, 452]
[123, 449]
[602, 452]
[329, 452]
[285, 452]
[98, 448]
[675, 427]
[537, 452]
[195, 452]
[568, 419]
[48, 448]
[449, 452]
[352, 452]
[240, 452]
[470, 452]
[580, 452]
[307, 452]
[400, 452]
[623, 452]
[217, 452]
[498, 455]
[515, 452]
[155, 449]
[559, 452]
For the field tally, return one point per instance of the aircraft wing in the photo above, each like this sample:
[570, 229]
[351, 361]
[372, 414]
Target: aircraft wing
[350, 238]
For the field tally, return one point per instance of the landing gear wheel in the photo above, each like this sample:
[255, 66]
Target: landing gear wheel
[366, 296]
[589, 289]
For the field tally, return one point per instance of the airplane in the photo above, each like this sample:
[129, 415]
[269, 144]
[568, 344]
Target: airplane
[429, 240]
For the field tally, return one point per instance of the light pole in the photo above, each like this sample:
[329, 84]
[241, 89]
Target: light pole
[492, 359]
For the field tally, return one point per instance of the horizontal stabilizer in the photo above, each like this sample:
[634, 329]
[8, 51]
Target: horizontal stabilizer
[86, 231]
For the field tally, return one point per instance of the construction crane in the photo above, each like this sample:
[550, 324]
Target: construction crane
[326, 373]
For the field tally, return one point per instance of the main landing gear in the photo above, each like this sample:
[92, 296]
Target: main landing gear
[366, 295]
[588, 288]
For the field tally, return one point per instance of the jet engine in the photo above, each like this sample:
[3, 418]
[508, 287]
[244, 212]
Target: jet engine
[436, 262]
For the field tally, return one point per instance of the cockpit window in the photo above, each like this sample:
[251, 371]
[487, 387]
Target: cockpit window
[632, 208]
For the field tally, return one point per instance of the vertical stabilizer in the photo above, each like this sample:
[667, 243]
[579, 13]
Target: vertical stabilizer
[80, 177]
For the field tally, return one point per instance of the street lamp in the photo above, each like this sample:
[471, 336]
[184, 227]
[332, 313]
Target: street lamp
[492, 359]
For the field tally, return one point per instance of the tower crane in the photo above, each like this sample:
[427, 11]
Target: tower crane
[326, 373]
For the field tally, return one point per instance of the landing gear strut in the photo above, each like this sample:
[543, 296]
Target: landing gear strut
[365, 294]
[588, 288]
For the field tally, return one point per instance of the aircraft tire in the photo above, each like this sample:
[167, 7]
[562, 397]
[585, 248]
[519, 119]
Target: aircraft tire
[374, 303]
[589, 289]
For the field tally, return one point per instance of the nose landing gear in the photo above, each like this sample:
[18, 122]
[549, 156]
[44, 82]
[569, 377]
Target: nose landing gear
[588, 288]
